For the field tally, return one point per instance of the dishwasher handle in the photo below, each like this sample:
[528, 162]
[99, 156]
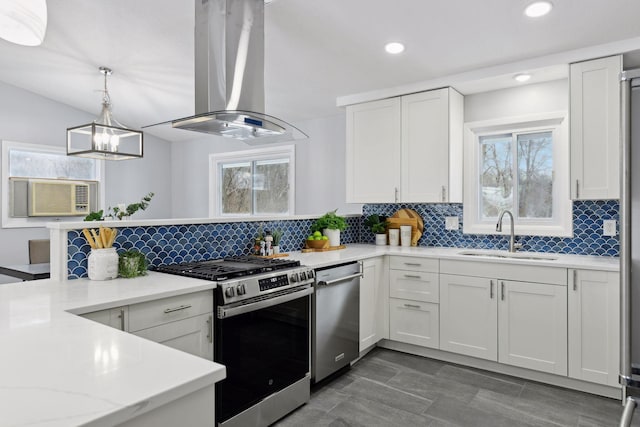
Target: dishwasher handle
[340, 279]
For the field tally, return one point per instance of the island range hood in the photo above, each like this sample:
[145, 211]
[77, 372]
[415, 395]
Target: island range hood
[229, 75]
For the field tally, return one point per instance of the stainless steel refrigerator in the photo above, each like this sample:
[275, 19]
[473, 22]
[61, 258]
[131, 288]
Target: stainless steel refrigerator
[630, 243]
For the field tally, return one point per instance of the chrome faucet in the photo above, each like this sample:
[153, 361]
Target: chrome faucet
[513, 246]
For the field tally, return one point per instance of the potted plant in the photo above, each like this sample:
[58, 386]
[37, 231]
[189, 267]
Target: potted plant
[132, 263]
[277, 235]
[378, 225]
[330, 224]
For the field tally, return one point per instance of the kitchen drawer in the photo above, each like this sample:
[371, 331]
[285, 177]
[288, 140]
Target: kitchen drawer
[414, 264]
[158, 312]
[414, 285]
[414, 322]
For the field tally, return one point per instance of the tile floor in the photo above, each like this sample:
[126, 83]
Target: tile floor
[389, 388]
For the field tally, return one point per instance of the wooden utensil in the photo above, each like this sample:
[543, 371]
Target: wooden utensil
[410, 214]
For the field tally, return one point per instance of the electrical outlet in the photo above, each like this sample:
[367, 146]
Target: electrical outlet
[609, 227]
[451, 223]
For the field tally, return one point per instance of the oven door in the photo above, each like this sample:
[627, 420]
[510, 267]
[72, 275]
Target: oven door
[265, 348]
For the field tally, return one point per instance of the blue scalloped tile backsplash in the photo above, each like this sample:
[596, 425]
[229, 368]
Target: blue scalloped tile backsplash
[182, 243]
[587, 229]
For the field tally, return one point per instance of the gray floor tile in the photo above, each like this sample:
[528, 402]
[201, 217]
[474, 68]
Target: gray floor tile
[404, 361]
[460, 414]
[388, 395]
[481, 379]
[363, 412]
[432, 387]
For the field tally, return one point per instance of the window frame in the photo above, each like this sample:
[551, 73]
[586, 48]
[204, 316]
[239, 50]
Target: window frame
[39, 222]
[561, 223]
[269, 153]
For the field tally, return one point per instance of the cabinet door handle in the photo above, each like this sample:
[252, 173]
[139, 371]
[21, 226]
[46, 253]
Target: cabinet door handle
[396, 194]
[575, 280]
[181, 307]
[121, 316]
[412, 306]
[210, 329]
[491, 289]
[412, 276]
[577, 188]
[502, 291]
[412, 264]
[444, 193]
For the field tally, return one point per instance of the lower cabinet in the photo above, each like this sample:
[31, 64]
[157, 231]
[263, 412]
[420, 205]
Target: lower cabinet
[414, 322]
[594, 326]
[184, 322]
[374, 297]
[193, 335]
[517, 323]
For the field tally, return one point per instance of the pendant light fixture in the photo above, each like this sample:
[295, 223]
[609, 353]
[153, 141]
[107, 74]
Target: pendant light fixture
[105, 138]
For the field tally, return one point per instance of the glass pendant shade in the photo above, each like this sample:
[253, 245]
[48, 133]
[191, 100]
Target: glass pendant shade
[23, 22]
[105, 138]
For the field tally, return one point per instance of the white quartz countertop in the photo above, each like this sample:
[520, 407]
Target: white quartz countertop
[59, 369]
[354, 252]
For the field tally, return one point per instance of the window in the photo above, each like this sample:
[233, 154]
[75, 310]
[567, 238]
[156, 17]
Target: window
[520, 165]
[253, 182]
[43, 161]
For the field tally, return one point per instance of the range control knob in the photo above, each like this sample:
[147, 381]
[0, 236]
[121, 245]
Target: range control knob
[294, 278]
[310, 274]
[229, 292]
[241, 289]
[303, 276]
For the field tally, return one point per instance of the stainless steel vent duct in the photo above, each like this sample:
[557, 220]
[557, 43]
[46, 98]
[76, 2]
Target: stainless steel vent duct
[229, 74]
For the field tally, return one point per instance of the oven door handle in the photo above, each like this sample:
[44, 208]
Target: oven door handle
[223, 312]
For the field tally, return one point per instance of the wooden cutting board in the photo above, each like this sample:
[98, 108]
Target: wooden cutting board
[409, 217]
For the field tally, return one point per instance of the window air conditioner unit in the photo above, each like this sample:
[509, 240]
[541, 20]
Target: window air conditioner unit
[52, 197]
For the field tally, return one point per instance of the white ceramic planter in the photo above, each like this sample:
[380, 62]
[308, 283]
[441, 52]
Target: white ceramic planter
[381, 239]
[103, 264]
[333, 235]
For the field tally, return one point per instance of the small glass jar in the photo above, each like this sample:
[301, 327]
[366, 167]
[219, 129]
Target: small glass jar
[103, 264]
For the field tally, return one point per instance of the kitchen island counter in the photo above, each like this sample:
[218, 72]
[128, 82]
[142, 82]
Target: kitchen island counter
[59, 369]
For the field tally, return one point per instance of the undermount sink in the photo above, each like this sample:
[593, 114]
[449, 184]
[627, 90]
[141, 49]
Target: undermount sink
[512, 255]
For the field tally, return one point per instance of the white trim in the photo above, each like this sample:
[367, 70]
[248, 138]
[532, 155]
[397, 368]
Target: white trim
[561, 224]
[7, 221]
[250, 155]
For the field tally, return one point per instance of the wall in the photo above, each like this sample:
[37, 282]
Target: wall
[320, 169]
[27, 117]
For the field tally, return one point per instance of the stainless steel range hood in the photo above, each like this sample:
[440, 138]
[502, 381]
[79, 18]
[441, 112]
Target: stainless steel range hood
[229, 75]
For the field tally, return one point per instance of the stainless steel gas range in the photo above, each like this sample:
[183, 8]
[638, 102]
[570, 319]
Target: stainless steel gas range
[262, 335]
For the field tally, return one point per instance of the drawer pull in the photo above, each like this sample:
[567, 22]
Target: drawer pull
[413, 264]
[182, 307]
[491, 289]
[502, 291]
[121, 316]
[412, 306]
[412, 276]
[575, 280]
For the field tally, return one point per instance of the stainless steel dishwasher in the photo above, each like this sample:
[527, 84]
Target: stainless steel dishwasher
[335, 319]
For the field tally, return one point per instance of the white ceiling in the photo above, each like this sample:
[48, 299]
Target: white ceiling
[315, 51]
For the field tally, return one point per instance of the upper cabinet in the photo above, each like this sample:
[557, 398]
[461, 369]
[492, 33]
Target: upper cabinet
[406, 149]
[595, 128]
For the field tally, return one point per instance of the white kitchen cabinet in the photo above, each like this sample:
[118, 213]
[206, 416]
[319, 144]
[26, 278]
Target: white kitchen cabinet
[595, 128]
[594, 326]
[192, 335]
[431, 150]
[468, 316]
[374, 297]
[184, 322]
[532, 326]
[115, 317]
[414, 322]
[413, 304]
[406, 149]
[515, 319]
[373, 152]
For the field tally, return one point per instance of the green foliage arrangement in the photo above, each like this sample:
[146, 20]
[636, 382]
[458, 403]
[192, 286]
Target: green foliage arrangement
[94, 216]
[376, 223]
[329, 220]
[132, 264]
[133, 207]
[277, 235]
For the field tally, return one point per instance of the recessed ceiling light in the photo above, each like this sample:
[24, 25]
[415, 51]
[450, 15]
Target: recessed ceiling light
[394, 47]
[538, 9]
[521, 78]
